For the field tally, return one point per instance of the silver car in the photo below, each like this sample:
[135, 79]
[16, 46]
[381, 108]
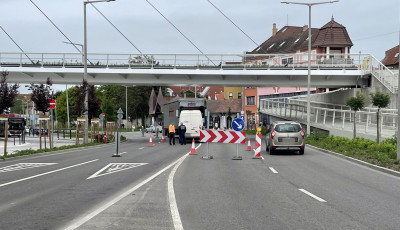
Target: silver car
[285, 135]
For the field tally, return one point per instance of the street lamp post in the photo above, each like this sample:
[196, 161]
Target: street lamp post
[85, 62]
[66, 86]
[309, 53]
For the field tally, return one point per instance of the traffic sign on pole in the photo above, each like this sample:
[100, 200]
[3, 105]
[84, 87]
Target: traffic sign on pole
[238, 124]
[52, 104]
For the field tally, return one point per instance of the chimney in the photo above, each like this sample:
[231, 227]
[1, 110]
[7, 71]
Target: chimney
[274, 29]
[305, 27]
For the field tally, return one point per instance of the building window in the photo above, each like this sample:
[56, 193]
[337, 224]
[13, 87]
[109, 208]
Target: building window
[239, 95]
[230, 95]
[251, 100]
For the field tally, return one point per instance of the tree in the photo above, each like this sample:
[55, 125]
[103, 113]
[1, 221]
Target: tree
[356, 103]
[41, 95]
[381, 100]
[94, 102]
[7, 93]
[62, 115]
[79, 107]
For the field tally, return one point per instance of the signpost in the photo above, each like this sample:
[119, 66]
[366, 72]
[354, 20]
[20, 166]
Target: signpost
[117, 138]
[52, 106]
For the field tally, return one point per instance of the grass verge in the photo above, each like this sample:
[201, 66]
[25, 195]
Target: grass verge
[383, 154]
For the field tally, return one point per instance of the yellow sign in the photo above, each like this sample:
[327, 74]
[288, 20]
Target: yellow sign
[258, 130]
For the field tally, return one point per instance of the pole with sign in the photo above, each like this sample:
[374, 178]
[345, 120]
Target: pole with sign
[238, 125]
[117, 138]
[52, 106]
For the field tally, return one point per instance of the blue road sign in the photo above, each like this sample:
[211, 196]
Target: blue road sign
[238, 124]
[242, 117]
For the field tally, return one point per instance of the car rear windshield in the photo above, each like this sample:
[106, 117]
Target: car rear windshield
[288, 128]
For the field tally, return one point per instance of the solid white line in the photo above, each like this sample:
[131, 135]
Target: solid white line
[57, 170]
[312, 195]
[176, 218]
[94, 213]
[273, 170]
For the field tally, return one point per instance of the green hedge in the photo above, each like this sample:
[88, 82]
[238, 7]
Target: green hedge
[383, 154]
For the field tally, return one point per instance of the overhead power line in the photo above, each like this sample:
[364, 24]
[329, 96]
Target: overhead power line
[116, 28]
[376, 36]
[56, 26]
[16, 44]
[179, 31]
[236, 25]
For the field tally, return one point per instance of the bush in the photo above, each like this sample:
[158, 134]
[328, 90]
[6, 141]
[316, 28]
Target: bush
[383, 154]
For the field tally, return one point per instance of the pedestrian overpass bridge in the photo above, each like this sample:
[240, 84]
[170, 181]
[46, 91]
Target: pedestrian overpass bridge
[282, 70]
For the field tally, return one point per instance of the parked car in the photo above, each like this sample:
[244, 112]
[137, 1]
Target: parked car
[285, 135]
[36, 131]
[152, 129]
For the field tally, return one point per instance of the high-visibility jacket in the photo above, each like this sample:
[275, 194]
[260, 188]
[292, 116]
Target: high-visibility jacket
[171, 128]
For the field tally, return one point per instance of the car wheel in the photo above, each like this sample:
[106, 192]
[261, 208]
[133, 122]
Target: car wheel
[301, 152]
[271, 151]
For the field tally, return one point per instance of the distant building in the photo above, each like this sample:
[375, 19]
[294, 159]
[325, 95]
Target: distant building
[391, 59]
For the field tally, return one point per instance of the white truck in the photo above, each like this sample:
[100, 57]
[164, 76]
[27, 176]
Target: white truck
[190, 111]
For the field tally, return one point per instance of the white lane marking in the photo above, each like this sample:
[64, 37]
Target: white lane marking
[141, 148]
[46, 173]
[115, 167]
[122, 153]
[176, 218]
[273, 170]
[312, 195]
[94, 213]
[21, 166]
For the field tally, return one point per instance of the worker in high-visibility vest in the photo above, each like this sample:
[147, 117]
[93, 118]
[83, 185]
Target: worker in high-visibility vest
[171, 131]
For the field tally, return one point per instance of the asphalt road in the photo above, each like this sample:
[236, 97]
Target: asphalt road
[285, 191]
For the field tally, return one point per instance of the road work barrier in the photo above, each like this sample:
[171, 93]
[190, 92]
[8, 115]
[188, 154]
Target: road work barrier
[217, 136]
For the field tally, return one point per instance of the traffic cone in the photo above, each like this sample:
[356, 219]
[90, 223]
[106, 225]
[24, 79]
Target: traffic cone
[162, 138]
[248, 146]
[193, 151]
[150, 142]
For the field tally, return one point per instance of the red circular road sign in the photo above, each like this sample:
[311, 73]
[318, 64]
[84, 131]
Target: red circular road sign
[52, 104]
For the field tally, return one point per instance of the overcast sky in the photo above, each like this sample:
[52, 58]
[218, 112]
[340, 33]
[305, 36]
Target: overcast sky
[372, 25]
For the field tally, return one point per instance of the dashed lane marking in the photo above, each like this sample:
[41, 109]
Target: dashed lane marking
[141, 148]
[312, 195]
[273, 170]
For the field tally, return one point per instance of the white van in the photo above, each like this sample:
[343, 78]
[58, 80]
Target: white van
[193, 120]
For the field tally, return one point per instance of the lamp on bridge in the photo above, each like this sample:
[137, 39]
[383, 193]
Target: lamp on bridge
[85, 61]
[309, 53]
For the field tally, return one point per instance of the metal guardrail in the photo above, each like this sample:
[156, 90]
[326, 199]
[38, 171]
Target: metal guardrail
[223, 61]
[332, 117]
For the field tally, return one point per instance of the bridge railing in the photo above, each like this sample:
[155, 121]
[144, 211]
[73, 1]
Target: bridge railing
[331, 115]
[197, 61]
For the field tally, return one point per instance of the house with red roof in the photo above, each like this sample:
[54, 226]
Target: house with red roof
[329, 44]
[391, 59]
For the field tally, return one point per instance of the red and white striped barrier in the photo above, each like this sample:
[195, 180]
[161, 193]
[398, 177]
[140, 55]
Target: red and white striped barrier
[222, 136]
[257, 150]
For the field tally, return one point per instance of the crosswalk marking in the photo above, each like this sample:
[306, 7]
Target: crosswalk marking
[21, 166]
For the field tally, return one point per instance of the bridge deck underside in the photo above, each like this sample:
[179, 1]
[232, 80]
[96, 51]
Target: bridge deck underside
[182, 76]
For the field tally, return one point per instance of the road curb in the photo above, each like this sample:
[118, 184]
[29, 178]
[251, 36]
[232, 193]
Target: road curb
[369, 165]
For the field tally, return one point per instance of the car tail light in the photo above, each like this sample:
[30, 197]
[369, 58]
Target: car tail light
[302, 133]
[273, 134]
